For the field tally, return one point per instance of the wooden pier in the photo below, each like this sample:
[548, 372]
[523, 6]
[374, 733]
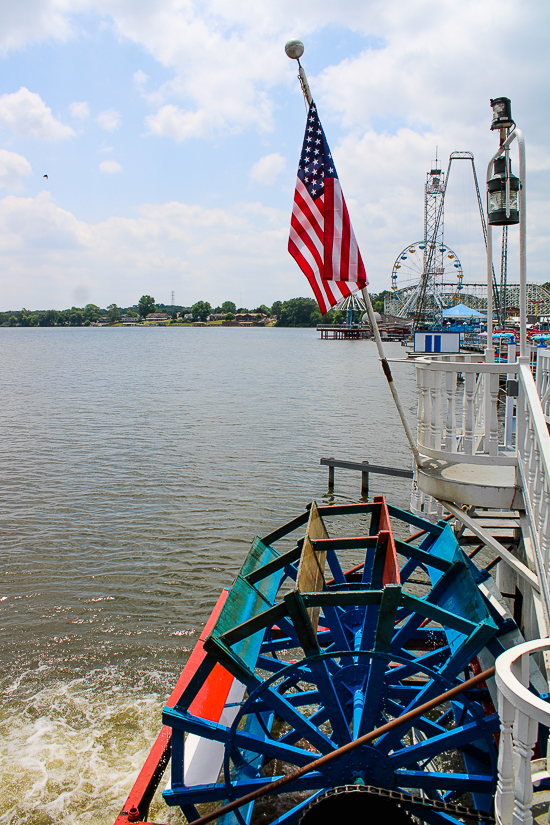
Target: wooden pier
[332, 333]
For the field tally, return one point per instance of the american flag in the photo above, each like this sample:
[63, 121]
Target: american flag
[321, 236]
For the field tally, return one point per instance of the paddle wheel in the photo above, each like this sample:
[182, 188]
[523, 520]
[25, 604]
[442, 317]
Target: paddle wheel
[316, 645]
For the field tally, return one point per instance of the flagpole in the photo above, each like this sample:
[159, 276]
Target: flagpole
[389, 377]
[295, 49]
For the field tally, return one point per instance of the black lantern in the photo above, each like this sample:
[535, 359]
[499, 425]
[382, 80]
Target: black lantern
[496, 195]
[502, 113]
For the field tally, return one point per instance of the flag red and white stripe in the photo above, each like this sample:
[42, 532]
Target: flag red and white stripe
[322, 240]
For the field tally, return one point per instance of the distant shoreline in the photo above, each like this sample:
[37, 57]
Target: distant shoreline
[216, 324]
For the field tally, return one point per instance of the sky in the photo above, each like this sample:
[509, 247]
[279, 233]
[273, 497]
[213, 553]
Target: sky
[170, 133]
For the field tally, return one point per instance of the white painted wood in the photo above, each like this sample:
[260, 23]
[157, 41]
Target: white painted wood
[533, 457]
[203, 758]
[460, 418]
[504, 797]
[520, 714]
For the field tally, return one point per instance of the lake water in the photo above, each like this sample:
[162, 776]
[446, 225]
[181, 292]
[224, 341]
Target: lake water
[137, 465]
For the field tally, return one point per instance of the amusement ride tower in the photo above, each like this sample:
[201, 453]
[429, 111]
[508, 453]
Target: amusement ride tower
[430, 272]
[430, 263]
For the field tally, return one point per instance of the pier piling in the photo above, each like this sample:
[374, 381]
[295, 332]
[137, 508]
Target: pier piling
[365, 482]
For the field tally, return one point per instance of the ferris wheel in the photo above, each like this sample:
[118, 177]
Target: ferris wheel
[409, 264]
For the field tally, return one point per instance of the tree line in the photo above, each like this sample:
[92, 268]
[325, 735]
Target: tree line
[296, 312]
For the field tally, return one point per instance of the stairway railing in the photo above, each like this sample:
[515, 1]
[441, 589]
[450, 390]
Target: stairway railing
[533, 455]
[543, 380]
[520, 713]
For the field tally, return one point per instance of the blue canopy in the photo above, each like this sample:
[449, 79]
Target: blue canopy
[461, 311]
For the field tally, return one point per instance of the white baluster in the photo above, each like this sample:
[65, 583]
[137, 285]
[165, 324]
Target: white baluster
[520, 423]
[492, 380]
[469, 389]
[428, 410]
[525, 738]
[540, 375]
[423, 406]
[544, 535]
[538, 484]
[438, 413]
[531, 456]
[504, 799]
[432, 408]
[415, 499]
[420, 413]
[450, 421]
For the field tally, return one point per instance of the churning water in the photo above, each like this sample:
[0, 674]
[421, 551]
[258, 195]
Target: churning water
[137, 465]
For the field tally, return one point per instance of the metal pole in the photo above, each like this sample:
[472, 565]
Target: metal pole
[522, 249]
[351, 746]
[304, 84]
[489, 351]
[389, 377]
[295, 55]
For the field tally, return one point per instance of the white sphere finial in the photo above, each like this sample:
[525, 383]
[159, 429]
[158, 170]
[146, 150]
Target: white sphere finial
[294, 49]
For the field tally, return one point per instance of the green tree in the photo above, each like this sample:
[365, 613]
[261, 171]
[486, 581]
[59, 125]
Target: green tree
[230, 316]
[114, 313]
[377, 301]
[262, 309]
[228, 306]
[48, 318]
[12, 321]
[276, 308]
[299, 312]
[75, 317]
[91, 312]
[28, 318]
[146, 304]
[201, 310]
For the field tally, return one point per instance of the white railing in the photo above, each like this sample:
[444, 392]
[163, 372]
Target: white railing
[458, 411]
[520, 713]
[533, 456]
[543, 380]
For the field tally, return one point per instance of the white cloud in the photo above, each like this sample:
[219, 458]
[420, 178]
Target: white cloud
[208, 254]
[111, 167]
[140, 78]
[171, 121]
[267, 169]
[27, 21]
[80, 111]
[415, 76]
[27, 116]
[13, 167]
[109, 120]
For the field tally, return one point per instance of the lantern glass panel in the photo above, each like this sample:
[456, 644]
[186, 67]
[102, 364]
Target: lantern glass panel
[497, 201]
